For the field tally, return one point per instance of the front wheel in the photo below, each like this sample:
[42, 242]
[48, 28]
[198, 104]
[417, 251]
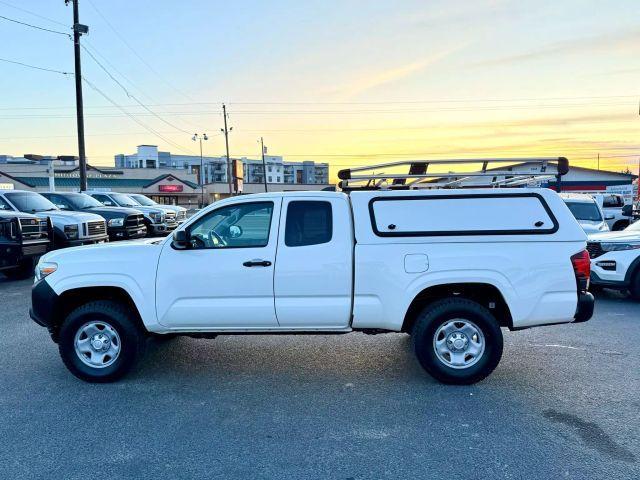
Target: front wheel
[457, 341]
[101, 341]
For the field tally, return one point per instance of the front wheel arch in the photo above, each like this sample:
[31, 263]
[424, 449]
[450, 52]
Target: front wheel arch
[69, 300]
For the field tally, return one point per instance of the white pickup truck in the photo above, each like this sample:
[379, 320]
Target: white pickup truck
[448, 267]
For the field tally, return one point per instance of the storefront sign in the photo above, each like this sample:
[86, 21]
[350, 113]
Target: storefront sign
[170, 188]
[6, 186]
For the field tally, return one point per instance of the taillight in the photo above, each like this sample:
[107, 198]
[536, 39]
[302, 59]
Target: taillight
[582, 269]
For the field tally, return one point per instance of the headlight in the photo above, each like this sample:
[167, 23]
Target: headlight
[616, 247]
[45, 268]
[158, 217]
[116, 222]
[71, 231]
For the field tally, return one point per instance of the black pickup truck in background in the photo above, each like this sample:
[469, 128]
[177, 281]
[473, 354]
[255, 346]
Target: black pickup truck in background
[23, 239]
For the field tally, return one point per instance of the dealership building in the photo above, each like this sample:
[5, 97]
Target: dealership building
[172, 179]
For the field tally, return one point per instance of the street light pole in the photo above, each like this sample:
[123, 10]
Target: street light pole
[200, 138]
[226, 140]
[264, 166]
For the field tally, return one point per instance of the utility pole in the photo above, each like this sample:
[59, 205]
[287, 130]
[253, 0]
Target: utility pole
[598, 160]
[226, 140]
[194, 138]
[264, 166]
[78, 30]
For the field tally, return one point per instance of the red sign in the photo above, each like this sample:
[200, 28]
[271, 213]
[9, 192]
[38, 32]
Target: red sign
[170, 188]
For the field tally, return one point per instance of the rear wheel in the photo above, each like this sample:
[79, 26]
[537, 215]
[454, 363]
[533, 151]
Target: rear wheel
[101, 341]
[457, 341]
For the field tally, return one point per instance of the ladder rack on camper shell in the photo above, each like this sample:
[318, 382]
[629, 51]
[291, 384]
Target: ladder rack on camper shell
[418, 175]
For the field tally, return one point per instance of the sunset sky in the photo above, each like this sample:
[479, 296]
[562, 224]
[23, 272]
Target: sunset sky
[346, 82]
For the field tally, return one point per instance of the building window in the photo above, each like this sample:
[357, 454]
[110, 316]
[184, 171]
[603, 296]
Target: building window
[270, 179]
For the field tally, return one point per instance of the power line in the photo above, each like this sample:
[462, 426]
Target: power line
[124, 41]
[130, 95]
[35, 67]
[143, 125]
[34, 14]
[35, 26]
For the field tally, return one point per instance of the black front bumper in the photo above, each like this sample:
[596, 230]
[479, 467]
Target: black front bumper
[584, 311]
[128, 233]
[44, 302]
[86, 241]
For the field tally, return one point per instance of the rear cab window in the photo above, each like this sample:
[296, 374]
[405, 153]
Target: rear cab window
[308, 223]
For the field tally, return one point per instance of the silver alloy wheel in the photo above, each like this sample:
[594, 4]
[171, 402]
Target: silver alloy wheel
[97, 344]
[458, 343]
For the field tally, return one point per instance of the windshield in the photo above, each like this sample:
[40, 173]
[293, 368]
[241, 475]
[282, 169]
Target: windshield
[585, 211]
[30, 202]
[124, 200]
[81, 201]
[142, 200]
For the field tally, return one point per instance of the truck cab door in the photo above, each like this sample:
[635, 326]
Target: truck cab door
[313, 276]
[224, 280]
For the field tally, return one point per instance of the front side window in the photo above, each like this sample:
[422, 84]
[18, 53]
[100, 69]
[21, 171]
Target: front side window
[235, 226]
[308, 223]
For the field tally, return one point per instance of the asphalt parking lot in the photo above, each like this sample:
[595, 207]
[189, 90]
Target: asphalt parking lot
[564, 403]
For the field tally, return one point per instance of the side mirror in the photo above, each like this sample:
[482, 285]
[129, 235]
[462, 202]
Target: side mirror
[107, 203]
[235, 231]
[181, 239]
[627, 210]
[609, 216]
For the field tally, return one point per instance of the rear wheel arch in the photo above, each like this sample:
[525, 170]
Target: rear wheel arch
[485, 294]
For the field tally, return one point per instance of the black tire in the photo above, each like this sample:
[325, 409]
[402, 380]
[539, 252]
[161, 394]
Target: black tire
[620, 225]
[22, 271]
[131, 336]
[634, 286]
[440, 312]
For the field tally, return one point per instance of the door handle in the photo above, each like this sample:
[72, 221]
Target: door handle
[257, 263]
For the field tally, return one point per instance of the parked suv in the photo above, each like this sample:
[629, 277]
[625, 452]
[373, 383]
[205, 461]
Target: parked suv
[122, 223]
[157, 220]
[586, 211]
[615, 259]
[448, 267]
[181, 212]
[70, 229]
[23, 238]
